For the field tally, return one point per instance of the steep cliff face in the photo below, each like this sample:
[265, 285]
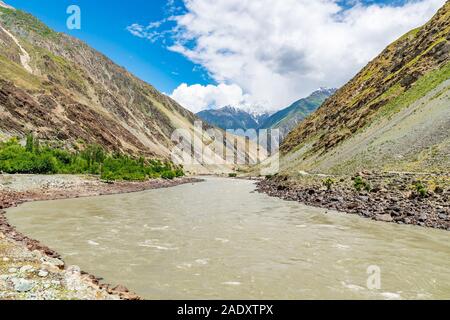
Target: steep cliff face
[393, 115]
[61, 89]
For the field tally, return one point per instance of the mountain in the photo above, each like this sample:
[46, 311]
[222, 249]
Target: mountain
[233, 118]
[287, 119]
[66, 92]
[394, 115]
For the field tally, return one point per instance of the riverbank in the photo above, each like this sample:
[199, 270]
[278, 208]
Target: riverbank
[389, 197]
[31, 270]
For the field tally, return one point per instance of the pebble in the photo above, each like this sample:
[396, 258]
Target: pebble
[121, 288]
[56, 282]
[5, 259]
[12, 270]
[32, 297]
[53, 261]
[43, 273]
[73, 270]
[384, 217]
[50, 267]
[23, 285]
[26, 269]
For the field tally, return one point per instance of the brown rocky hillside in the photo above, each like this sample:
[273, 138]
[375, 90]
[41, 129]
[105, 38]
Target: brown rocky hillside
[63, 90]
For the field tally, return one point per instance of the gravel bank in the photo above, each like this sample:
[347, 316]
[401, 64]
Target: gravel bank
[392, 196]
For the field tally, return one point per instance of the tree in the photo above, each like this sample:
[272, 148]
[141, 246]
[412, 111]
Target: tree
[29, 146]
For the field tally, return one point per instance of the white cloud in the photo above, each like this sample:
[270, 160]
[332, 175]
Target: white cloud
[198, 97]
[149, 32]
[279, 51]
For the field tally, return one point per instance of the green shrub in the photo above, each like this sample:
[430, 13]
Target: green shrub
[179, 172]
[123, 168]
[168, 175]
[232, 175]
[93, 154]
[46, 163]
[421, 189]
[360, 184]
[36, 159]
[29, 146]
[63, 156]
[328, 183]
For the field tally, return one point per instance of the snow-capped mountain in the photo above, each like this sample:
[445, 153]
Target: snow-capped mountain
[233, 118]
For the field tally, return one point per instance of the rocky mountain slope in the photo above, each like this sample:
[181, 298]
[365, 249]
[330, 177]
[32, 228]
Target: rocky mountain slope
[232, 118]
[393, 115]
[287, 119]
[63, 90]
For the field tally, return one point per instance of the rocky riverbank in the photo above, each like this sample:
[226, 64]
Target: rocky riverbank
[403, 198]
[32, 271]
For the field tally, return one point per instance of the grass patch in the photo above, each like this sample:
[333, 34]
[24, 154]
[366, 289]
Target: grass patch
[27, 22]
[424, 85]
[17, 74]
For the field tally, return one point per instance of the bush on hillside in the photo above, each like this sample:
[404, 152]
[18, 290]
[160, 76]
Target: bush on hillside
[36, 159]
[328, 183]
[361, 184]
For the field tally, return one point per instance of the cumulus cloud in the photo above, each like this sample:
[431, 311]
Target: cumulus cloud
[279, 51]
[198, 97]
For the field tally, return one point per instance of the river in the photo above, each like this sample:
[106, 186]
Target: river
[220, 240]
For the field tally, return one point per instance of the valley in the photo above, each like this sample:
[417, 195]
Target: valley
[95, 206]
[167, 244]
[230, 118]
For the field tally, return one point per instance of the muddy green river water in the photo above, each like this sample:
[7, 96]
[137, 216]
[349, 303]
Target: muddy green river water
[221, 240]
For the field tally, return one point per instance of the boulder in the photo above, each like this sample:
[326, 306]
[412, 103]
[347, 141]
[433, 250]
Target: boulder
[23, 285]
[384, 217]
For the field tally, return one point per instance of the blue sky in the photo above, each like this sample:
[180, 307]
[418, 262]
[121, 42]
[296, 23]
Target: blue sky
[260, 55]
[104, 26]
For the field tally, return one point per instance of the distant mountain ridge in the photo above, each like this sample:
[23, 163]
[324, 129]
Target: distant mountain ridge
[285, 120]
[233, 118]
